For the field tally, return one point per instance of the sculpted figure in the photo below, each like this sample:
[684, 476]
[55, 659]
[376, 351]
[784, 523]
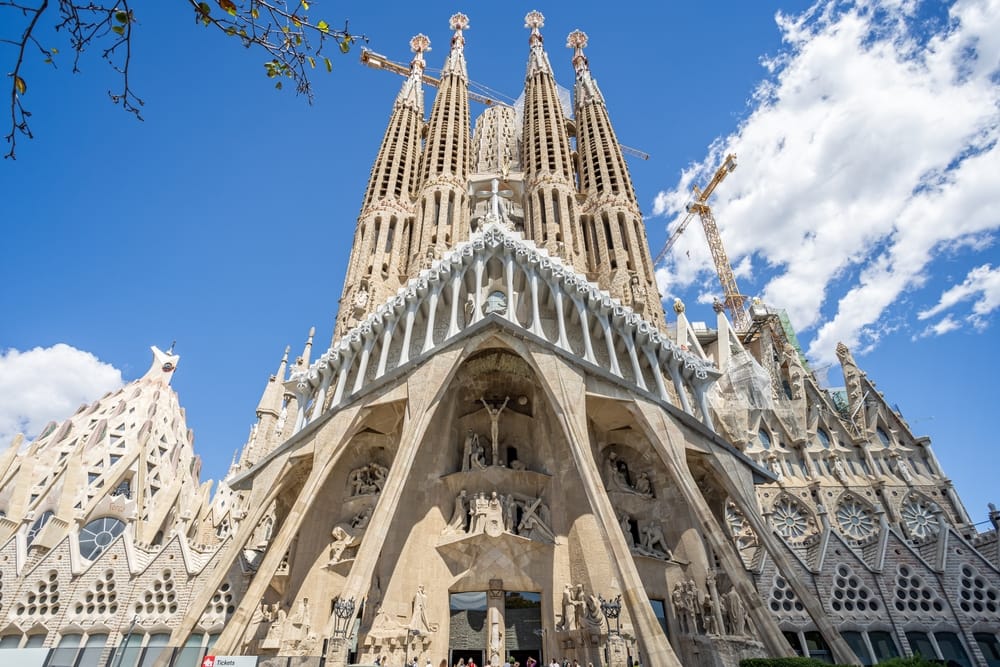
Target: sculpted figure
[510, 513]
[418, 620]
[572, 603]
[494, 413]
[839, 471]
[643, 485]
[653, 541]
[679, 602]
[360, 521]
[737, 613]
[467, 446]
[341, 541]
[593, 617]
[460, 514]
[626, 523]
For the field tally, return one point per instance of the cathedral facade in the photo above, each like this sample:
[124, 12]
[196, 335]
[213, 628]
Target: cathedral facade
[508, 453]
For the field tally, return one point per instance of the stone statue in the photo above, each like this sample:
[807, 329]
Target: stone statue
[626, 523]
[477, 457]
[653, 542]
[839, 471]
[708, 612]
[593, 617]
[536, 522]
[737, 612]
[341, 541]
[643, 485]
[615, 472]
[459, 515]
[679, 602]
[467, 448]
[418, 619]
[903, 469]
[367, 480]
[494, 413]
[572, 607]
[510, 513]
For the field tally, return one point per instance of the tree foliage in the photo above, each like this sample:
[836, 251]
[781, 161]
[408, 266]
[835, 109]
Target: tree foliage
[289, 33]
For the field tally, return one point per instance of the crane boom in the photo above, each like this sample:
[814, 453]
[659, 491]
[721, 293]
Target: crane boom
[734, 302]
[378, 61]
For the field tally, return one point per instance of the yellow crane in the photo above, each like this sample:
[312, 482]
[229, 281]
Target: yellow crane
[734, 302]
[378, 61]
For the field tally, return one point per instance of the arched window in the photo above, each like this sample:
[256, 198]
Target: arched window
[883, 437]
[823, 437]
[765, 439]
[98, 534]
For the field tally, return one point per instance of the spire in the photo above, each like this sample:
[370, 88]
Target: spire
[548, 166]
[442, 210]
[617, 251]
[538, 60]
[273, 396]
[412, 92]
[377, 266]
[455, 63]
[303, 361]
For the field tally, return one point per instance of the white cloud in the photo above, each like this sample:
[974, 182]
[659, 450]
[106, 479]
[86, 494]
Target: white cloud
[871, 150]
[982, 282]
[46, 384]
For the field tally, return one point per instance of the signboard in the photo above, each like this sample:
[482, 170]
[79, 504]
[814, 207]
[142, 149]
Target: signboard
[229, 661]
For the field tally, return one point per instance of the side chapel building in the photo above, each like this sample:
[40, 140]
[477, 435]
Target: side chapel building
[507, 450]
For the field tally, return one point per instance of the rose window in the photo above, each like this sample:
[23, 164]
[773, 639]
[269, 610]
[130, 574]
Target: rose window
[855, 519]
[97, 535]
[790, 520]
[918, 517]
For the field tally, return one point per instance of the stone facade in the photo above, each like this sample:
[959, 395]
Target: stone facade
[506, 451]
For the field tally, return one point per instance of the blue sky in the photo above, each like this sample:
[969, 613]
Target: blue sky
[865, 201]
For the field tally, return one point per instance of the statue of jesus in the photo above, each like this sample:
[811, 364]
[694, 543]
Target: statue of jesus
[494, 413]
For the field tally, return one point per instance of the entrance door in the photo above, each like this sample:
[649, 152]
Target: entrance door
[523, 626]
[467, 630]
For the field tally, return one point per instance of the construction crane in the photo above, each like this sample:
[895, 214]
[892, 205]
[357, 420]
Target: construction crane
[378, 61]
[734, 301]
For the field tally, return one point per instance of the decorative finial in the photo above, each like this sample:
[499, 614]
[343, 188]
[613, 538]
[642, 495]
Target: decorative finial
[534, 20]
[577, 40]
[420, 43]
[717, 306]
[458, 21]
[678, 306]
[173, 343]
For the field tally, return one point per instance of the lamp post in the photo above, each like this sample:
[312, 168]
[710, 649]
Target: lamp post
[612, 610]
[411, 634]
[343, 612]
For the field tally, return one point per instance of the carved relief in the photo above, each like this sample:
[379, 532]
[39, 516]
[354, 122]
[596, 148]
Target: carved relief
[367, 480]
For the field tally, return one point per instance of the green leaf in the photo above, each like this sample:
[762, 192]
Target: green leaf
[345, 45]
[254, 13]
[329, 65]
[312, 61]
[20, 85]
[121, 17]
[228, 6]
[323, 26]
[204, 9]
[305, 5]
[117, 29]
[54, 50]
